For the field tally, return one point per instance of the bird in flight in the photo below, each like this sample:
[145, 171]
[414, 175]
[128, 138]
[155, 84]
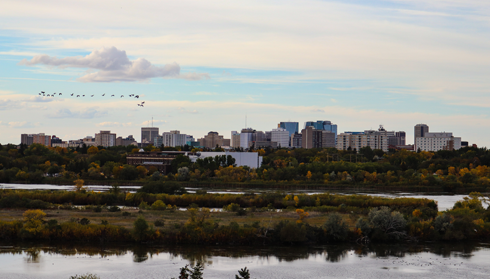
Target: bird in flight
[92, 96]
[61, 94]
[103, 95]
[137, 96]
[112, 95]
[122, 96]
[42, 92]
[78, 96]
[72, 94]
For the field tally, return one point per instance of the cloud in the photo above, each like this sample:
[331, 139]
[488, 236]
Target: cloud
[154, 122]
[113, 124]
[184, 110]
[22, 124]
[40, 99]
[318, 110]
[86, 114]
[113, 65]
[202, 93]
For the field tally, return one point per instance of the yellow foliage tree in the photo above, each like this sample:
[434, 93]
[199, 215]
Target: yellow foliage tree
[33, 220]
[79, 185]
[416, 213]
[309, 175]
[301, 215]
[93, 150]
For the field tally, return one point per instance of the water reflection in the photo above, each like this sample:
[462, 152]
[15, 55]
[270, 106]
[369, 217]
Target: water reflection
[194, 254]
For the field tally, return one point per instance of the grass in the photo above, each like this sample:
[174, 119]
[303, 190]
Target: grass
[172, 218]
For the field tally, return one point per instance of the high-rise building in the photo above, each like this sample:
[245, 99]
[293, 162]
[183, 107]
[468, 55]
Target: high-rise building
[419, 131]
[26, 139]
[357, 140]
[323, 125]
[120, 141]
[148, 134]
[314, 138]
[297, 140]
[437, 141]
[213, 139]
[291, 127]
[174, 138]
[281, 136]
[235, 139]
[105, 139]
[247, 138]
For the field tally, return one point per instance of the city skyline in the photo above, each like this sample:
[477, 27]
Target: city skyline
[204, 67]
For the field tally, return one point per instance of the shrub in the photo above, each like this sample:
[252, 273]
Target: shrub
[391, 224]
[104, 222]
[141, 229]
[125, 213]
[84, 221]
[336, 228]
[291, 232]
[158, 205]
[143, 205]
[114, 208]
[98, 208]
[159, 223]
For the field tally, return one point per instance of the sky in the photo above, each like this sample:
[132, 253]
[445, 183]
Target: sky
[215, 65]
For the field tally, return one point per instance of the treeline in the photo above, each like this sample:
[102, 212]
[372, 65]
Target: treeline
[50, 199]
[467, 220]
[466, 167]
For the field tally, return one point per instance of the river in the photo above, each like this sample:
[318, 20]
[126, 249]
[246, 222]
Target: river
[457, 260]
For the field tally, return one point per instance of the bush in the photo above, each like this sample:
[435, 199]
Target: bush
[144, 205]
[159, 187]
[84, 221]
[114, 208]
[141, 229]
[98, 208]
[290, 232]
[158, 205]
[336, 228]
[104, 222]
[388, 224]
[159, 223]
[125, 213]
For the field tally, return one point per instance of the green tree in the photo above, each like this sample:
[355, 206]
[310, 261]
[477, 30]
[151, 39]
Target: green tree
[141, 229]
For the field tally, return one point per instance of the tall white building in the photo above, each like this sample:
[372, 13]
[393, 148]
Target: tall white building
[175, 138]
[246, 138]
[437, 141]
[235, 139]
[357, 140]
[281, 136]
[105, 138]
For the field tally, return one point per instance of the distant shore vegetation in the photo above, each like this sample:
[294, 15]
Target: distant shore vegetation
[466, 168]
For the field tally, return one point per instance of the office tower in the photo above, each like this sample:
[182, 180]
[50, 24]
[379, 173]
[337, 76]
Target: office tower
[419, 131]
[105, 139]
[281, 136]
[322, 125]
[437, 141]
[148, 134]
[291, 127]
[235, 139]
[357, 140]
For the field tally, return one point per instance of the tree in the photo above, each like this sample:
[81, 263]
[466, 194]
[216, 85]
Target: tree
[367, 152]
[243, 273]
[141, 229]
[33, 221]
[93, 150]
[335, 227]
[79, 185]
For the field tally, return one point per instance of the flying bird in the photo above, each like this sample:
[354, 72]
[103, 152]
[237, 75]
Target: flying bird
[42, 92]
[83, 95]
[39, 93]
[103, 95]
[112, 95]
[61, 94]
[72, 94]
[92, 96]
[122, 96]
[137, 96]
[78, 96]
[142, 102]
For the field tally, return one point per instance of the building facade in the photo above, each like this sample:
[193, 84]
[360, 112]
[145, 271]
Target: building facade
[213, 139]
[148, 134]
[437, 141]
[419, 131]
[280, 136]
[322, 125]
[357, 140]
[105, 139]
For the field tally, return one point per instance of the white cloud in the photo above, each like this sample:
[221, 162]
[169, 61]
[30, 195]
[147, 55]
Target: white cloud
[22, 124]
[153, 122]
[184, 110]
[113, 65]
[113, 124]
[85, 114]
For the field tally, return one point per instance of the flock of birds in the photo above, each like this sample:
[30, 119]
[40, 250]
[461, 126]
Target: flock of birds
[91, 96]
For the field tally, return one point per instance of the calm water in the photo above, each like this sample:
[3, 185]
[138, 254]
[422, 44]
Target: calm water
[444, 201]
[458, 260]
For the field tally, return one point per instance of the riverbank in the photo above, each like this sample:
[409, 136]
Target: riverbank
[281, 186]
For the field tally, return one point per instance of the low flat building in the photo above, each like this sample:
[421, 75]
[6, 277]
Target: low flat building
[249, 159]
[161, 160]
[437, 141]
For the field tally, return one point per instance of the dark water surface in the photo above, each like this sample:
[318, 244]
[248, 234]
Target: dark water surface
[446, 260]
